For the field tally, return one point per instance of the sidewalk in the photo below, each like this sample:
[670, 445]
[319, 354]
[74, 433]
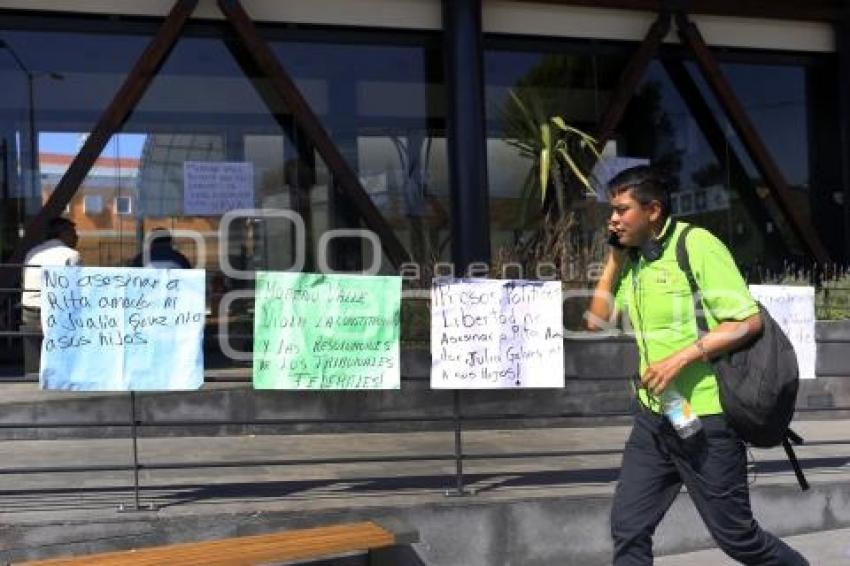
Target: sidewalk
[590, 469]
[825, 548]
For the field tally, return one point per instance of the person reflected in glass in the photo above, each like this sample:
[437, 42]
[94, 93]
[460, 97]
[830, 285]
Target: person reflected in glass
[162, 254]
[58, 249]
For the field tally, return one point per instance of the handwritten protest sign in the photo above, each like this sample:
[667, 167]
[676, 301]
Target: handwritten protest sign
[489, 334]
[314, 331]
[793, 308]
[212, 188]
[116, 329]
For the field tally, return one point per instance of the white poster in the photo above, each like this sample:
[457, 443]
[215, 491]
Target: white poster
[793, 308]
[211, 188]
[494, 334]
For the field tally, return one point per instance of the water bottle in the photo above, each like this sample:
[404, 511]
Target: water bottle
[680, 413]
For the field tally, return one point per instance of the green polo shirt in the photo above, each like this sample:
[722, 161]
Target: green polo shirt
[661, 310]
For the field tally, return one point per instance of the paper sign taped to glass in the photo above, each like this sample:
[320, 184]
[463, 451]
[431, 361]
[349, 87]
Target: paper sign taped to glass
[496, 334]
[326, 332]
[122, 329]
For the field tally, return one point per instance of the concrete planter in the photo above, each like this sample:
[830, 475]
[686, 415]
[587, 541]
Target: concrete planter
[597, 375]
[831, 388]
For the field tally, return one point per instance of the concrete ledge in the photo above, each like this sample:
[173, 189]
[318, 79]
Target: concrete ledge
[597, 374]
[469, 531]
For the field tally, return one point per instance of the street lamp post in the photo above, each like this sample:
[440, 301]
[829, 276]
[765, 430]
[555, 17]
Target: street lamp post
[33, 142]
[33, 135]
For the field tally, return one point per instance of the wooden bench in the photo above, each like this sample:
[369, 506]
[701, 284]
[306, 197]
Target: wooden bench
[301, 544]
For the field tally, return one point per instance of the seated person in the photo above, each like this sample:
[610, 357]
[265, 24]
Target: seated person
[162, 253]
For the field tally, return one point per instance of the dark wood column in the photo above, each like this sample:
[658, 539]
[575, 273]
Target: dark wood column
[467, 147]
[842, 40]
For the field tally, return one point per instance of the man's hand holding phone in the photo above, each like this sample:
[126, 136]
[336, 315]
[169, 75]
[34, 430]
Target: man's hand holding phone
[618, 250]
[614, 241]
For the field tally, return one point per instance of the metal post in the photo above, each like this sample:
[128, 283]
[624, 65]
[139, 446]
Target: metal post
[459, 490]
[33, 196]
[134, 434]
[32, 145]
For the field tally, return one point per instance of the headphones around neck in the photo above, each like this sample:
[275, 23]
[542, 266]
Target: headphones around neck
[652, 249]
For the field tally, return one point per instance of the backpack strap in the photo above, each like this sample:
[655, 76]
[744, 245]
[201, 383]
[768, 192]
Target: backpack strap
[684, 261]
[791, 436]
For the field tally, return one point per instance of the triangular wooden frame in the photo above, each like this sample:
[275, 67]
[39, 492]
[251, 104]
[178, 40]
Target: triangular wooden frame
[737, 116]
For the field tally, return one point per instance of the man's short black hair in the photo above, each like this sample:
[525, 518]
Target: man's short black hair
[58, 225]
[647, 184]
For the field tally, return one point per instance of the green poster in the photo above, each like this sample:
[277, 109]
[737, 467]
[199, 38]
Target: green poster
[314, 331]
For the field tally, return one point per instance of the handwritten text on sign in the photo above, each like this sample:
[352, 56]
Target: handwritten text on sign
[212, 188]
[315, 331]
[116, 329]
[488, 334]
[793, 308]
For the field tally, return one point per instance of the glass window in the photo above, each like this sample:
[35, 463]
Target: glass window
[92, 204]
[379, 98]
[674, 122]
[123, 205]
[525, 88]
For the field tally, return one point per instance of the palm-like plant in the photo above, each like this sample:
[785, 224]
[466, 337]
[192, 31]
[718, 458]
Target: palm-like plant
[561, 155]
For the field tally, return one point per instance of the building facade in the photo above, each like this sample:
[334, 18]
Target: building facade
[406, 90]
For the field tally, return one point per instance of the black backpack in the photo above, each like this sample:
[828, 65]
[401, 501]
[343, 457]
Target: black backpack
[758, 382]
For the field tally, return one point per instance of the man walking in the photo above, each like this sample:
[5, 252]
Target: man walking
[642, 277]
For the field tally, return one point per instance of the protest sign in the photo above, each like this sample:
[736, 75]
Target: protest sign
[793, 308]
[315, 331]
[211, 188]
[489, 334]
[122, 329]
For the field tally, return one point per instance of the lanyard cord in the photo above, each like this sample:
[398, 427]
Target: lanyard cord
[636, 292]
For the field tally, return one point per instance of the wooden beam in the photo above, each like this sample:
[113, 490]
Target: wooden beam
[110, 122]
[809, 10]
[631, 77]
[723, 151]
[347, 182]
[750, 138]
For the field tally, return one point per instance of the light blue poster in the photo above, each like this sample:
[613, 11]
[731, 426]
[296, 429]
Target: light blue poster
[122, 329]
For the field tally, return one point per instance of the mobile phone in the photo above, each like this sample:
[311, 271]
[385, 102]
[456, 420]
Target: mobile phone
[614, 241]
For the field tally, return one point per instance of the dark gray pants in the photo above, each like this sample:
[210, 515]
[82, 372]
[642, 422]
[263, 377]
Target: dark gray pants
[713, 466]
